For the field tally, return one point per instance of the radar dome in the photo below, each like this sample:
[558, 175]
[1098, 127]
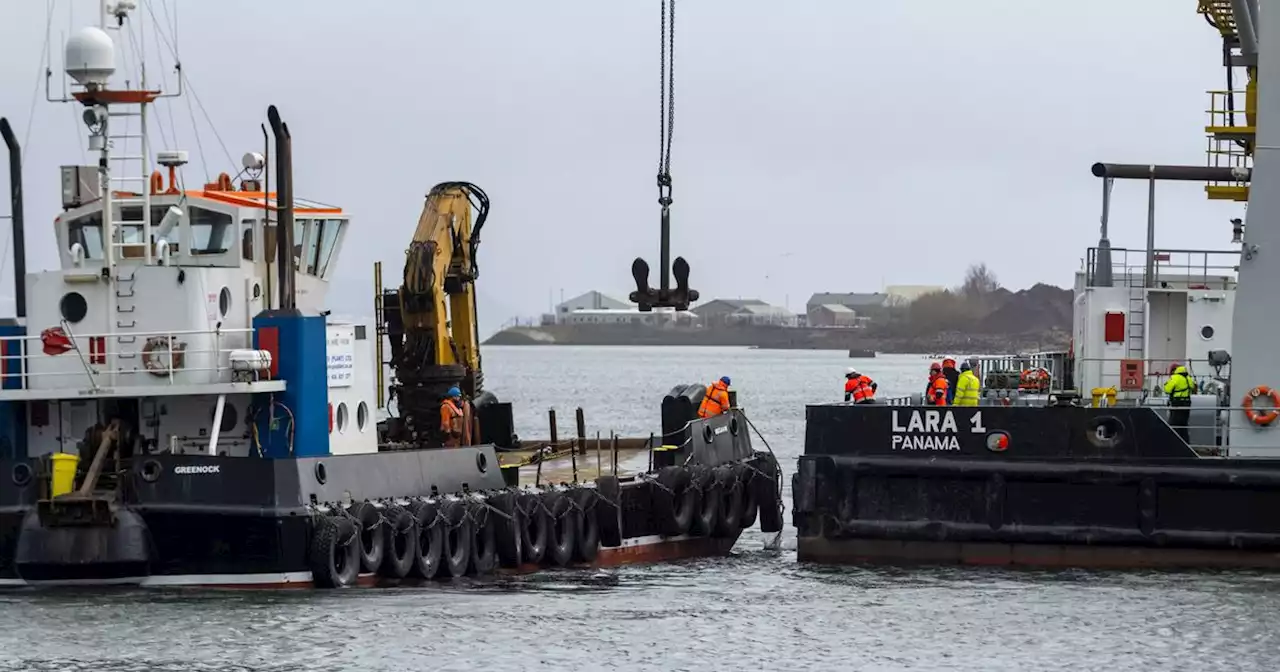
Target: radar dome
[90, 56]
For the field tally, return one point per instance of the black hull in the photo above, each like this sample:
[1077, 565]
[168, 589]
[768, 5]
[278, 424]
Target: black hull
[1067, 486]
[249, 522]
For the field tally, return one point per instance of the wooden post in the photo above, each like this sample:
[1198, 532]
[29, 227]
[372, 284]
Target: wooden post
[537, 477]
[599, 460]
[614, 439]
[582, 431]
[650, 452]
[573, 460]
[551, 420]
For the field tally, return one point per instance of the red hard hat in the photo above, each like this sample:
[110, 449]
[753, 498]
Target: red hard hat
[935, 367]
[948, 362]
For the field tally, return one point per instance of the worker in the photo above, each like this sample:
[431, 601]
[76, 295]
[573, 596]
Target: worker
[936, 393]
[452, 418]
[858, 388]
[953, 377]
[967, 387]
[1179, 389]
[716, 400]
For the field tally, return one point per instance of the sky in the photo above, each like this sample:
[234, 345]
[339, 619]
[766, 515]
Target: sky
[818, 145]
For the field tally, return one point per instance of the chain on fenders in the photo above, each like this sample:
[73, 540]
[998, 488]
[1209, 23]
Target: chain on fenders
[664, 296]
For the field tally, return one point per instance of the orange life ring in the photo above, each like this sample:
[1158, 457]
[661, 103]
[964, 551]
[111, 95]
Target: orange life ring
[1265, 417]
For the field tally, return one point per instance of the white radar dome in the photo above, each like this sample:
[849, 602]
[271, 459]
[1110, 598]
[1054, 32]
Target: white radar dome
[90, 56]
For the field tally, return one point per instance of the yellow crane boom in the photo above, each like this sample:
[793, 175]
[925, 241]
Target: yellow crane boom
[431, 319]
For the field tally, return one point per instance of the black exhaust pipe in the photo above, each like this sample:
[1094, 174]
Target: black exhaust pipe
[284, 208]
[15, 205]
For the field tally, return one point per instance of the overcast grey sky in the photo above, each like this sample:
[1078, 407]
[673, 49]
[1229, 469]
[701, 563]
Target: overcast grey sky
[819, 146]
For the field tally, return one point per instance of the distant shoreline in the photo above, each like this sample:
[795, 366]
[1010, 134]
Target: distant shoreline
[778, 338]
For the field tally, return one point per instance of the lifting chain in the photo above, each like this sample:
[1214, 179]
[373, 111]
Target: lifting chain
[664, 296]
[666, 98]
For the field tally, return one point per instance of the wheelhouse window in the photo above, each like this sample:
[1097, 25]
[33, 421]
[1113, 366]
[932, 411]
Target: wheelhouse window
[247, 238]
[129, 222]
[300, 227]
[327, 234]
[86, 230]
[211, 231]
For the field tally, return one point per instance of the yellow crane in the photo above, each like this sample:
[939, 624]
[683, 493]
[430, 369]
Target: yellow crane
[430, 320]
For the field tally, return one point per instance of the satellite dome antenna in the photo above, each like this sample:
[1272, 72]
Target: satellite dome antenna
[90, 58]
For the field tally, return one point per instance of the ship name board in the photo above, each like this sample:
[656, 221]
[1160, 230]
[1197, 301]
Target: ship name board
[930, 430]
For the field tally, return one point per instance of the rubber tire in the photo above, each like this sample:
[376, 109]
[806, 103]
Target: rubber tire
[704, 523]
[747, 514]
[674, 502]
[609, 511]
[536, 531]
[373, 532]
[506, 529]
[484, 554]
[428, 548]
[588, 546]
[563, 529]
[334, 565]
[402, 529]
[766, 486]
[455, 557]
[727, 524]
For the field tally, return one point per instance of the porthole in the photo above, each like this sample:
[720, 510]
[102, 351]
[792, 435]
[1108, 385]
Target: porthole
[362, 416]
[1207, 332]
[342, 417]
[73, 307]
[224, 301]
[229, 418]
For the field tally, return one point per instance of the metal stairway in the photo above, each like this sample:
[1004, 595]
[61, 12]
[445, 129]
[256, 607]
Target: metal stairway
[1222, 15]
[1136, 331]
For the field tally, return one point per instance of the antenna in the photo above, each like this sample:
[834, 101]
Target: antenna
[90, 57]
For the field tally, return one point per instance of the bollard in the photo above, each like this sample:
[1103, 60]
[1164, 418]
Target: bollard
[582, 430]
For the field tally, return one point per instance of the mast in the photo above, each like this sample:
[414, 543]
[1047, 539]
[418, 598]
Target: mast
[1255, 355]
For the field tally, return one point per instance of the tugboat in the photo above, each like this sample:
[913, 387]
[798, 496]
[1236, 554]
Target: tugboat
[178, 409]
[1074, 458]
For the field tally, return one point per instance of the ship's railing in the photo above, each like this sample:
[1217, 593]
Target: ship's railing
[1105, 372]
[1196, 269]
[1228, 125]
[1011, 372]
[93, 360]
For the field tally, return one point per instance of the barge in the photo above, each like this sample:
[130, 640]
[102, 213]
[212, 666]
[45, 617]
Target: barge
[177, 408]
[1079, 458]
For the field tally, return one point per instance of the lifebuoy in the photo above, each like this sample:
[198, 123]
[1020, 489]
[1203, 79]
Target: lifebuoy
[1262, 418]
[156, 355]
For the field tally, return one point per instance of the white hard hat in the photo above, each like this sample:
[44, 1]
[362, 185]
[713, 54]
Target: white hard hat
[850, 371]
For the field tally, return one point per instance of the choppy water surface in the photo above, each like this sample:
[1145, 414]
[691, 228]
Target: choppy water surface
[756, 610]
